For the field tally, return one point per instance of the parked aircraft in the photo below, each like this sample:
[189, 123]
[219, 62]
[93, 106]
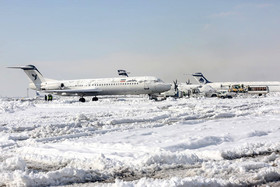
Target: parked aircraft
[123, 72]
[94, 87]
[274, 86]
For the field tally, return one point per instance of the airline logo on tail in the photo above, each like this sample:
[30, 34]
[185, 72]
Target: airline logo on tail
[202, 81]
[35, 76]
[200, 78]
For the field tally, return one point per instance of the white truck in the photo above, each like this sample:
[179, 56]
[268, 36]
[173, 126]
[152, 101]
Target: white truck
[260, 90]
[225, 94]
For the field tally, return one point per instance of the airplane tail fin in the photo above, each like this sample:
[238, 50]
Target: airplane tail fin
[200, 78]
[33, 74]
[122, 72]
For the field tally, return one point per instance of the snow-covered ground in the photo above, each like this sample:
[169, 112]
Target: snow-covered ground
[137, 142]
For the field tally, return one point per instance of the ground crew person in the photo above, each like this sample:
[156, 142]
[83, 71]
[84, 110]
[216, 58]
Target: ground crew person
[50, 97]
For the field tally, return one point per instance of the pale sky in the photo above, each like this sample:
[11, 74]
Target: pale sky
[226, 40]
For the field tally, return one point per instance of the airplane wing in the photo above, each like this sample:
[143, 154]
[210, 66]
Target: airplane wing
[75, 91]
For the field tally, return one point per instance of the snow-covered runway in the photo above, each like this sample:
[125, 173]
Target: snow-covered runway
[135, 141]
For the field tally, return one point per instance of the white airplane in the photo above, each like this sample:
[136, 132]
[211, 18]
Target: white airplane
[273, 86]
[94, 87]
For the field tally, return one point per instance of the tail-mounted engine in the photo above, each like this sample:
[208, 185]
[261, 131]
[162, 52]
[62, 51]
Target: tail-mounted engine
[53, 86]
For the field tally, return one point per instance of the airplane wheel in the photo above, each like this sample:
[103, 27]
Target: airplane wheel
[94, 99]
[82, 100]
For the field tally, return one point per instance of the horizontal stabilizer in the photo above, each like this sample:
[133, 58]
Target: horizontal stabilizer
[28, 67]
[122, 72]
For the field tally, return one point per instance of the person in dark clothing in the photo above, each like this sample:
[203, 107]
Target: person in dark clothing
[50, 97]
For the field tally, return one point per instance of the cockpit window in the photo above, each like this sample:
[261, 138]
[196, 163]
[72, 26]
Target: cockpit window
[158, 80]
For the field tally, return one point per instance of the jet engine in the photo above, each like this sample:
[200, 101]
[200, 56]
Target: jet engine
[53, 86]
[32, 86]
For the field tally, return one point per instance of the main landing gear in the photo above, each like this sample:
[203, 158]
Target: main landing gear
[84, 100]
[95, 99]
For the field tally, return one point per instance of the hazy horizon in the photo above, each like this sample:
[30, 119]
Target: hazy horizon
[225, 40]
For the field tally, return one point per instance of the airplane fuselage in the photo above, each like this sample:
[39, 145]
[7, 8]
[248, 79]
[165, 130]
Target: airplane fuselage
[106, 86]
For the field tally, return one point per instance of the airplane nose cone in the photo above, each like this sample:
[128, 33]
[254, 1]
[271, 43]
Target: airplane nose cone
[168, 86]
[165, 87]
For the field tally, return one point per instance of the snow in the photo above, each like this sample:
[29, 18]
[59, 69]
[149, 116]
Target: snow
[133, 141]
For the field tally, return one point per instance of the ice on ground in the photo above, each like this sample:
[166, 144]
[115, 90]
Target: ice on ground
[13, 105]
[197, 141]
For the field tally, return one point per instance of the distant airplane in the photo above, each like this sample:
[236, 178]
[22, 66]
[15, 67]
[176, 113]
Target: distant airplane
[274, 86]
[94, 87]
[122, 72]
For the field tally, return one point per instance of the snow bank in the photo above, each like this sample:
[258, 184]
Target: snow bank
[13, 105]
[197, 141]
[5, 140]
[174, 181]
